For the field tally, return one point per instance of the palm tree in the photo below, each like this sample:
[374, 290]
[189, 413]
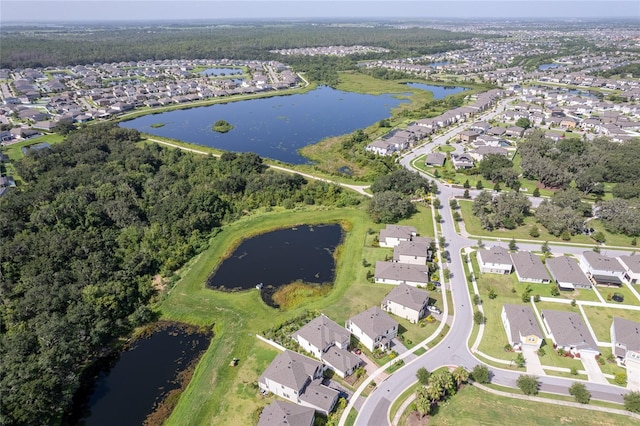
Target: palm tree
[461, 375]
[423, 403]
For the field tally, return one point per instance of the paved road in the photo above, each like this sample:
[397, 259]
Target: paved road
[453, 350]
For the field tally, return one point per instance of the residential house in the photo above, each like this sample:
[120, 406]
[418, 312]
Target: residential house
[436, 159]
[374, 328]
[567, 273]
[529, 268]
[631, 265]
[461, 161]
[298, 378]
[341, 361]
[602, 269]
[496, 131]
[479, 153]
[625, 337]
[569, 332]
[468, 136]
[521, 326]
[393, 234]
[514, 131]
[417, 251]
[401, 273]
[285, 413]
[407, 302]
[495, 260]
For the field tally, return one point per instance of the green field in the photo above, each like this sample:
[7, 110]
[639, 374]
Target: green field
[472, 406]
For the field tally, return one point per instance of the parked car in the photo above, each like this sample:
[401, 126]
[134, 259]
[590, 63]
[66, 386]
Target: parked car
[434, 309]
[618, 297]
[436, 283]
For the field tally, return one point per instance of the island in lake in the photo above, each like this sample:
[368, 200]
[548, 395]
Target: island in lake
[222, 126]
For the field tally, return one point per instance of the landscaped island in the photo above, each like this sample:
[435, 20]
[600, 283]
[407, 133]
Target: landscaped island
[222, 126]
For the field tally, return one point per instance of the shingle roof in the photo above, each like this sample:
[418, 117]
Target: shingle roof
[397, 231]
[412, 248]
[405, 295]
[320, 396]
[401, 272]
[322, 332]
[569, 329]
[341, 359]
[528, 265]
[374, 321]
[284, 413]
[522, 322]
[291, 369]
[627, 333]
[566, 269]
[602, 262]
[497, 255]
[632, 262]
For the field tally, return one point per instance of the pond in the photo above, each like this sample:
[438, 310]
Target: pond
[127, 388]
[439, 92]
[222, 71]
[544, 67]
[438, 64]
[277, 258]
[275, 127]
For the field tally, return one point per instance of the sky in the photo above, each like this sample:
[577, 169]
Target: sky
[35, 11]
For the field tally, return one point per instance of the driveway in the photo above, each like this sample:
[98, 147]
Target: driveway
[593, 368]
[370, 367]
[399, 347]
[532, 362]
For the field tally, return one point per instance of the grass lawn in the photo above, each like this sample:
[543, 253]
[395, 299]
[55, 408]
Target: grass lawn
[601, 318]
[402, 398]
[218, 394]
[607, 292]
[472, 406]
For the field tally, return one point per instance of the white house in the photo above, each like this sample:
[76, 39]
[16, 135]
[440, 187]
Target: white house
[529, 268]
[417, 251]
[280, 413]
[602, 269]
[569, 332]
[495, 260]
[401, 273]
[625, 336]
[393, 234]
[521, 326]
[631, 265]
[407, 302]
[567, 273]
[373, 327]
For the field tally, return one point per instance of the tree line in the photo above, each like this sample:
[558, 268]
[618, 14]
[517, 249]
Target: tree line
[98, 216]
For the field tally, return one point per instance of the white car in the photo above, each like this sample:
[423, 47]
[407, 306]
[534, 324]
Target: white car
[434, 309]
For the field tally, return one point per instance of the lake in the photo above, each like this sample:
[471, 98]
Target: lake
[222, 71]
[545, 67]
[277, 258]
[275, 127]
[439, 92]
[128, 387]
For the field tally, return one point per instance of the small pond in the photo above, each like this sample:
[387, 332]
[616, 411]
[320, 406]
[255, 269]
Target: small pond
[545, 67]
[222, 71]
[126, 388]
[438, 64]
[439, 92]
[277, 258]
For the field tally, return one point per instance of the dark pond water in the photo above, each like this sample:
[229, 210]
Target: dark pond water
[303, 253]
[438, 64]
[439, 92]
[221, 71]
[544, 67]
[275, 127]
[127, 388]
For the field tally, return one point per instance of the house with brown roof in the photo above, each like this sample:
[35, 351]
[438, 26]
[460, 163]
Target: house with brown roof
[401, 273]
[566, 272]
[285, 413]
[569, 332]
[521, 326]
[495, 260]
[529, 268]
[625, 336]
[374, 328]
[435, 159]
[468, 136]
[407, 302]
[298, 378]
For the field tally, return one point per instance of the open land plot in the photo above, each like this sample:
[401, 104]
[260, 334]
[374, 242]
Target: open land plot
[601, 318]
[472, 406]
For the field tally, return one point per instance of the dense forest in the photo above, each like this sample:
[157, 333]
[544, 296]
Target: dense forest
[37, 47]
[99, 216]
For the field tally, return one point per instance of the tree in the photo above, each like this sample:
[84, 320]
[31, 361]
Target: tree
[523, 122]
[534, 231]
[513, 245]
[460, 375]
[423, 376]
[544, 248]
[481, 374]
[580, 392]
[453, 204]
[436, 203]
[466, 184]
[529, 385]
[466, 194]
[478, 318]
[389, 207]
[520, 361]
[620, 378]
[423, 401]
[496, 187]
[536, 192]
[442, 383]
[479, 184]
[632, 402]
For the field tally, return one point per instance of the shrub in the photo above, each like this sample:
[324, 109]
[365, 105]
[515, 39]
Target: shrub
[580, 393]
[492, 293]
[555, 291]
[528, 384]
[620, 378]
[478, 318]
[481, 374]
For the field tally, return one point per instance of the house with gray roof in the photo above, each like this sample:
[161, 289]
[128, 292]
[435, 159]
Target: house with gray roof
[481, 152]
[529, 268]
[625, 336]
[602, 269]
[341, 361]
[319, 334]
[461, 161]
[566, 272]
[569, 332]
[391, 235]
[521, 326]
[298, 378]
[495, 260]
[401, 273]
[436, 159]
[631, 265]
[407, 302]
[285, 413]
[417, 251]
[373, 327]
